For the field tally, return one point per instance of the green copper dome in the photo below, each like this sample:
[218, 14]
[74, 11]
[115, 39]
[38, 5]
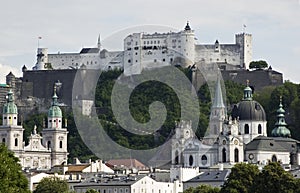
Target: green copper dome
[54, 110]
[10, 107]
[280, 129]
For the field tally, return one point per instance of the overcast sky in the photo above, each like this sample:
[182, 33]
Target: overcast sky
[69, 25]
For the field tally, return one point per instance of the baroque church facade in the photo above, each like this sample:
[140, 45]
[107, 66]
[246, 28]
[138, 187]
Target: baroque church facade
[241, 137]
[42, 152]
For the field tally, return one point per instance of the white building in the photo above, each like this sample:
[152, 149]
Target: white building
[135, 184]
[42, 152]
[144, 51]
[241, 137]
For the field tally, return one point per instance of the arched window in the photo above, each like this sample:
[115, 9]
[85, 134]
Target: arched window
[16, 142]
[49, 144]
[3, 140]
[259, 129]
[191, 160]
[246, 129]
[204, 160]
[224, 155]
[176, 157]
[60, 144]
[274, 158]
[236, 155]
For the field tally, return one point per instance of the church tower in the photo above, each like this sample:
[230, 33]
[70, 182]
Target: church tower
[217, 116]
[10, 132]
[183, 132]
[99, 43]
[55, 136]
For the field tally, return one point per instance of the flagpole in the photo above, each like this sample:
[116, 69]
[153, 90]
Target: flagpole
[39, 41]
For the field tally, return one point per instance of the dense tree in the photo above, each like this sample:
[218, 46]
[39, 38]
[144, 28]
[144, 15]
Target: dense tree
[11, 177]
[52, 185]
[203, 188]
[241, 178]
[273, 178]
[148, 92]
[258, 64]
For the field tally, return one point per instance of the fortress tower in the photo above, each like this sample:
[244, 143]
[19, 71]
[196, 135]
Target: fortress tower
[187, 38]
[42, 59]
[245, 42]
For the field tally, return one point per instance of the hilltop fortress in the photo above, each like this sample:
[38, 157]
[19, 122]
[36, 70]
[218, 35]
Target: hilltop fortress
[142, 51]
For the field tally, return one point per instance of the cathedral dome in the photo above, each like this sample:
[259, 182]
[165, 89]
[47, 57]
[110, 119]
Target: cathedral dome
[249, 109]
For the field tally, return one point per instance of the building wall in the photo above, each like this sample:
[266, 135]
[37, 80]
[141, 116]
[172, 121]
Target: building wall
[265, 156]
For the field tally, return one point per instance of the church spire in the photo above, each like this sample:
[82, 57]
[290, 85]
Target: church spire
[218, 98]
[99, 43]
[280, 129]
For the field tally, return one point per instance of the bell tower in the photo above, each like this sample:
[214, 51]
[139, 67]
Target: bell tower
[55, 136]
[11, 134]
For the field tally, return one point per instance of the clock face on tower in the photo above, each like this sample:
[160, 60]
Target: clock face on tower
[236, 142]
[224, 142]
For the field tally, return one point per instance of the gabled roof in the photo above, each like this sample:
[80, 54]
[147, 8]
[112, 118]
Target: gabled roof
[77, 168]
[126, 163]
[89, 50]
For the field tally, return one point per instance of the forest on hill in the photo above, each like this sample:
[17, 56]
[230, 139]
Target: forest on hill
[150, 91]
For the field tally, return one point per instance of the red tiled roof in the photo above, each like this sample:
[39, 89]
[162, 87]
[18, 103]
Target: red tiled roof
[126, 163]
[77, 168]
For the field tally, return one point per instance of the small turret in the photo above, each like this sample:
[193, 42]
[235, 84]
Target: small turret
[247, 92]
[24, 68]
[217, 46]
[187, 27]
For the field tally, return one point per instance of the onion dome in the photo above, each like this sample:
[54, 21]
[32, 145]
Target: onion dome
[10, 107]
[54, 110]
[280, 129]
[248, 109]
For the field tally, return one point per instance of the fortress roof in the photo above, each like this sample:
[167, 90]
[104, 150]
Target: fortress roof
[89, 50]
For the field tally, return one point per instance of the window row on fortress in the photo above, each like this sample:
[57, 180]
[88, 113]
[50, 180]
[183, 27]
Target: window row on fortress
[87, 63]
[77, 56]
[155, 60]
